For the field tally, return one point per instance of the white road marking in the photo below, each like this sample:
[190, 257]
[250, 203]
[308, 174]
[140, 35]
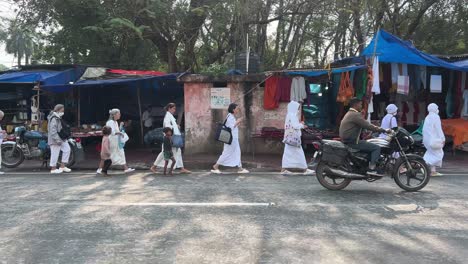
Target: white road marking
[169, 204]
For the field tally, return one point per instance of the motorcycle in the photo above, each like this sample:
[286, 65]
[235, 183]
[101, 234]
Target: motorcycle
[338, 164]
[33, 145]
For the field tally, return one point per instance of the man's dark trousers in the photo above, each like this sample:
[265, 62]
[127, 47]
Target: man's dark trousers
[371, 149]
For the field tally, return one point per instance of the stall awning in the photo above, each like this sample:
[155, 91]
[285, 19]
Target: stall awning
[151, 80]
[315, 73]
[44, 77]
[391, 49]
[127, 72]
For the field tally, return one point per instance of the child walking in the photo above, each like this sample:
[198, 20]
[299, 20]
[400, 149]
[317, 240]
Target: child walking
[167, 151]
[105, 150]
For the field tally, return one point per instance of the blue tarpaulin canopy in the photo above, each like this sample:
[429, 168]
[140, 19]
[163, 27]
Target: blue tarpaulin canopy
[391, 49]
[315, 73]
[144, 80]
[44, 77]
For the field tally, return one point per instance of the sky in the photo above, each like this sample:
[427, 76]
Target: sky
[6, 11]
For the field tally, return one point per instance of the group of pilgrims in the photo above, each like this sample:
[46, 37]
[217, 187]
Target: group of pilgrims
[294, 159]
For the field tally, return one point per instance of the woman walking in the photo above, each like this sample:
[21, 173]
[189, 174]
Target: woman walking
[433, 139]
[231, 156]
[171, 122]
[57, 140]
[115, 139]
[293, 156]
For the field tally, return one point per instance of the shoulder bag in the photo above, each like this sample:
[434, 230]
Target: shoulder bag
[223, 133]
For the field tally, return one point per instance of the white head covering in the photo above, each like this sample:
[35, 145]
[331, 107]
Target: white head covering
[293, 108]
[392, 109]
[112, 113]
[433, 108]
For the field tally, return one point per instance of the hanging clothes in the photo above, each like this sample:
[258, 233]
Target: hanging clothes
[370, 109]
[395, 73]
[433, 137]
[284, 89]
[404, 69]
[298, 90]
[362, 85]
[403, 84]
[270, 98]
[464, 112]
[423, 73]
[449, 99]
[436, 84]
[415, 77]
[375, 76]
[346, 91]
[386, 83]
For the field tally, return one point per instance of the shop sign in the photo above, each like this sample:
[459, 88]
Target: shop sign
[220, 98]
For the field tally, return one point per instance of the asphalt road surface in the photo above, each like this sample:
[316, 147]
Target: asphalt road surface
[202, 218]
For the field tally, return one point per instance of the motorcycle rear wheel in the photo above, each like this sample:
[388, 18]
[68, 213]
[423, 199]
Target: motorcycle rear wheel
[12, 156]
[336, 183]
[404, 175]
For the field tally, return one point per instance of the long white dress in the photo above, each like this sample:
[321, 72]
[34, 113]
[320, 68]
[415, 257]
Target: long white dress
[293, 157]
[170, 121]
[388, 122]
[117, 154]
[432, 132]
[231, 156]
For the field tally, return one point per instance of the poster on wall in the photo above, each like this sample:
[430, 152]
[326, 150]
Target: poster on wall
[220, 98]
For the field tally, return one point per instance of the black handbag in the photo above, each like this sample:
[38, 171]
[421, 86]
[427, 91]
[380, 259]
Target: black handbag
[223, 133]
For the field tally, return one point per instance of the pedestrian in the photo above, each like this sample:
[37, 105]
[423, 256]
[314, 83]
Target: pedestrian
[231, 156]
[433, 139]
[57, 140]
[293, 155]
[147, 119]
[2, 135]
[171, 122]
[116, 139]
[390, 120]
[105, 150]
[167, 150]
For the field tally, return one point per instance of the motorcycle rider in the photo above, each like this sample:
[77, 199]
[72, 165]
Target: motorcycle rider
[350, 131]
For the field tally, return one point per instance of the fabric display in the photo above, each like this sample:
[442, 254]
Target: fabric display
[270, 99]
[464, 112]
[395, 73]
[436, 84]
[298, 90]
[284, 89]
[403, 84]
[376, 76]
[449, 99]
[346, 90]
[370, 109]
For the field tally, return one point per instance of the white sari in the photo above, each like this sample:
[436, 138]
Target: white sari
[293, 157]
[231, 156]
[170, 121]
[433, 135]
[117, 154]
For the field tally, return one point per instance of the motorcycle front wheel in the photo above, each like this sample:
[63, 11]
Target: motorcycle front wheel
[330, 182]
[12, 156]
[411, 178]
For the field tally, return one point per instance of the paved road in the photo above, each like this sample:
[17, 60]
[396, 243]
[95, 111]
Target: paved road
[262, 218]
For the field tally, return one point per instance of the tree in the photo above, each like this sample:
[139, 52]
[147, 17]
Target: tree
[19, 41]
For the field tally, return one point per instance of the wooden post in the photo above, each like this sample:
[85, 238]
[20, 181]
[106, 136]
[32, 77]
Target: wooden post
[141, 115]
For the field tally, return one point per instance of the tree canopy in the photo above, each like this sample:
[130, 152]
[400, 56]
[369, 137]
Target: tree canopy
[202, 35]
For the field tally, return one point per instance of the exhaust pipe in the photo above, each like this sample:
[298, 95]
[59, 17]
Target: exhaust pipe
[344, 174]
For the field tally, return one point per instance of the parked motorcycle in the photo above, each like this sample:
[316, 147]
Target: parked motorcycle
[338, 164]
[33, 145]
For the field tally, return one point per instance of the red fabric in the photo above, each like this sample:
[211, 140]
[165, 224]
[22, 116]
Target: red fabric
[284, 89]
[271, 89]
[125, 72]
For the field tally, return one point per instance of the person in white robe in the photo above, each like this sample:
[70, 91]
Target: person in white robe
[117, 152]
[2, 135]
[231, 156]
[433, 139]
[170, 121]
[388, 122]
[293, 156]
